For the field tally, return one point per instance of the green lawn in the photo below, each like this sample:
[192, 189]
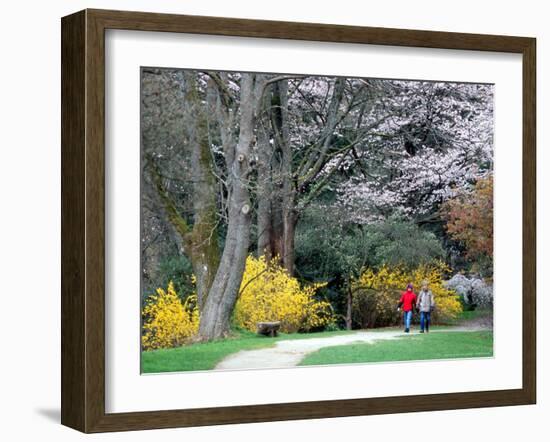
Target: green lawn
[472, 315]
[438, 345]
[205, 356]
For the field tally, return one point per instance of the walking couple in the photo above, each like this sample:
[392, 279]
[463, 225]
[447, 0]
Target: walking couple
[424, 303]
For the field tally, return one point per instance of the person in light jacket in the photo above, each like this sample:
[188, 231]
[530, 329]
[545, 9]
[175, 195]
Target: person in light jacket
[425, 304]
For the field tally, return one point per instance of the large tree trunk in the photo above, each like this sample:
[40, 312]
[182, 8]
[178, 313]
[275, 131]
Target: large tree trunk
[200, 242]
[264, 227]
[214, 322]
[204, 237]
[289, 223]
[287, 216]
[277, 228]
[290, 183]
[264, 189]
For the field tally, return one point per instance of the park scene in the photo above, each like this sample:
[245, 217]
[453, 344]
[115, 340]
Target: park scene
[292, 220]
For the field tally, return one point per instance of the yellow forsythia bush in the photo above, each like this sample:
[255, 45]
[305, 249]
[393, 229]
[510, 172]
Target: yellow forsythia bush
[376, 294]
[167, 321]
[269, 293]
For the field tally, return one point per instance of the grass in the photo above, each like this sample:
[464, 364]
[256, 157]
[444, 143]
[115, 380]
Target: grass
[439, 345]
[205, 356]
[470, 315]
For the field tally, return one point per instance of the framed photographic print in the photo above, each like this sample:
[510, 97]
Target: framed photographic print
[267, 221]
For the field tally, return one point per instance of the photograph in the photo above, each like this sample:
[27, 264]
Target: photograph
[292, 220]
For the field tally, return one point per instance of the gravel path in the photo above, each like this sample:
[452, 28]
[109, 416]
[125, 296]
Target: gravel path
[289, 353]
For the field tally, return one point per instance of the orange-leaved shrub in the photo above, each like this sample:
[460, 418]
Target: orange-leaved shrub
[469, 216]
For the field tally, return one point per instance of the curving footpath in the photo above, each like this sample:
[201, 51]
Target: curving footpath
[289, 353]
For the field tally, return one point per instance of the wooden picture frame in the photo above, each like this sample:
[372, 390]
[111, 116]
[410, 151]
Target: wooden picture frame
[83, 220]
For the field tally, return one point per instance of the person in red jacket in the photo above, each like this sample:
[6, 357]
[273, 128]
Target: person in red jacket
[408, 303]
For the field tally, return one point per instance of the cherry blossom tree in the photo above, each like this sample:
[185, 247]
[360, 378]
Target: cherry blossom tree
[438, 138]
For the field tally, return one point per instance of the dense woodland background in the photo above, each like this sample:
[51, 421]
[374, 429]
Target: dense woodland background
[326, 177]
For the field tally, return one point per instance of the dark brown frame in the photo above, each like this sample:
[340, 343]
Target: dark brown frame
[83, 216]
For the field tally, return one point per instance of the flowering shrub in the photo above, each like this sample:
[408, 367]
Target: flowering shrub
[167, 321]
[269, 293]
[376, 294]
[474, 291]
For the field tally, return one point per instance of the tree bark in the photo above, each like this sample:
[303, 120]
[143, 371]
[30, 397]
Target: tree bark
[349, 305]
[214, 322]
[289, 223]
[276, 234]
[200, 242]
[287, 198]
[204, 241]
[264, 188]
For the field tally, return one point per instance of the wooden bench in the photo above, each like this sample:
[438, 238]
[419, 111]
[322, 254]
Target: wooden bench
[268, 328]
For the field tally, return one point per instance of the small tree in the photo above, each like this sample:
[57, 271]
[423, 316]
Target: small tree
[469, 216]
